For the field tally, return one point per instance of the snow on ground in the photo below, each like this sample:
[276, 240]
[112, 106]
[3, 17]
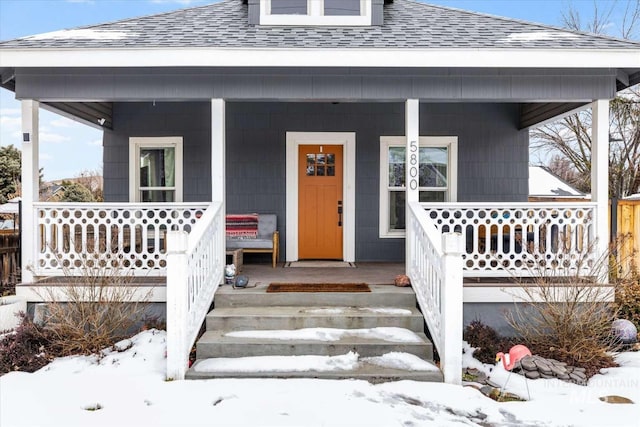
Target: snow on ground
[378, 310]
[399, 360]
[390, 334]
[129, 388]
[344, 362]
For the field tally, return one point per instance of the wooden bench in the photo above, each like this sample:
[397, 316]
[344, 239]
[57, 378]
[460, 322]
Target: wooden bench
[266, 241]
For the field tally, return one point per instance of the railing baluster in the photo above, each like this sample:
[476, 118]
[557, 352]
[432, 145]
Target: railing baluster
[511, 239]
[65, 230]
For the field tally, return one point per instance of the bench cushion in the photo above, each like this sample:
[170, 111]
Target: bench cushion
[250, 243]
[267, 225]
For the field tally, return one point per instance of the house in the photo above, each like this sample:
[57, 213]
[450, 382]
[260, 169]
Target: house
[544, 186]
[358, 122]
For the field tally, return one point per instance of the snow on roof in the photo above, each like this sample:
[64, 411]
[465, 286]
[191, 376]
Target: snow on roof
[633, 197]
[543, 183]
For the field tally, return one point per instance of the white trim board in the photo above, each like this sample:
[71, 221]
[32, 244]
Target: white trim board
[135, 143]
[514, 293]
[356, 57]
[450, 142]
[348, 141]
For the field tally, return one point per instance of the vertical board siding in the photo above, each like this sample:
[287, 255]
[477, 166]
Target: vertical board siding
[492, 153]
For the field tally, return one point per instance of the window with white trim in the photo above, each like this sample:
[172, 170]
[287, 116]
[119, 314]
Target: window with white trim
[315, 12]
[155, 169]
[437, 178]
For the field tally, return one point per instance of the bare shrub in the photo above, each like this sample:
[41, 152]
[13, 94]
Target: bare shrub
[26, 349]
[566, 317]
[95, 305]
[628, 298]
[486, 341]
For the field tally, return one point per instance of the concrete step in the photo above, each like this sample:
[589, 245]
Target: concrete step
[380, 296]
[217, 344]
[253, 318]
[366, 372]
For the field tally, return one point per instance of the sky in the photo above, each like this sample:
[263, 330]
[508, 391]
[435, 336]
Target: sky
[67, 147]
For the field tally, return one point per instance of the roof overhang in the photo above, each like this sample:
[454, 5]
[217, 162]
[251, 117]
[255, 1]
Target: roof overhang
[626, 59]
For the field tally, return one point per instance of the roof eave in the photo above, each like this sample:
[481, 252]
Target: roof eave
[347, 57]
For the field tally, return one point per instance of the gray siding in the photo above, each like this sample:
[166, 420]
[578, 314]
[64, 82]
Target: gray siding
[492, 153]
[487, 133]
[304, 84]
[190, 120]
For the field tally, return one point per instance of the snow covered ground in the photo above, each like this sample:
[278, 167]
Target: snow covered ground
[128, 388]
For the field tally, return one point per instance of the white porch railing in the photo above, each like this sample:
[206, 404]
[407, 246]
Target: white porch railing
[521, 239]
[195, 268]
[434, 264]
[136, 231]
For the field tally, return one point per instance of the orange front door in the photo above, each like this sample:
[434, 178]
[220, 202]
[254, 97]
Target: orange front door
[320, 202]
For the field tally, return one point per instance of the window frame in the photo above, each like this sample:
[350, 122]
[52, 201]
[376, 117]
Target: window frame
[138, 143]
[451, 193]
[315, 15]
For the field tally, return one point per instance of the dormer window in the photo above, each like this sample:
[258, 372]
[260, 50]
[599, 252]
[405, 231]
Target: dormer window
[316, 12]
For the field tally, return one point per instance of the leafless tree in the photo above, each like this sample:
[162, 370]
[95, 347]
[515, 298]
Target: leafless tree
[568, 141]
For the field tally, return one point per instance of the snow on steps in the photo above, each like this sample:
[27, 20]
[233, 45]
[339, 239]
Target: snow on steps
[305, 321]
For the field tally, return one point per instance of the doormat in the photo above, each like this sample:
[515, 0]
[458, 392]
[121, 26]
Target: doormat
[320, 264]
[318, 287]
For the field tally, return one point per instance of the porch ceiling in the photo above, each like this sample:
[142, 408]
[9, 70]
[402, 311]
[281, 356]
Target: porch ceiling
[532, 114]
[94, 114]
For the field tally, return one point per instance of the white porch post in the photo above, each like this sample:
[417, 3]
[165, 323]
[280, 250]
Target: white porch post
[218, 142]
[600, 179]
[177, 304]
[452, 308]
[30, 185]
[412, 132]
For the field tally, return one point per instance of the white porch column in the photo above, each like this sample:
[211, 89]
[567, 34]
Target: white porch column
[30, 186]
[412, 132]
[218, 185]
[600, 178]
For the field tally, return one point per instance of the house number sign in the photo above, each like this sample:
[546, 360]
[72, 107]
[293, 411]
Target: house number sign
[413, 165]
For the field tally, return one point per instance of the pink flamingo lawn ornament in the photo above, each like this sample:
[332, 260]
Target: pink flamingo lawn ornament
[516, 353]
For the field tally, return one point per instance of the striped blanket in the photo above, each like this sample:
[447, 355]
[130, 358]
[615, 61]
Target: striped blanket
[243, 226]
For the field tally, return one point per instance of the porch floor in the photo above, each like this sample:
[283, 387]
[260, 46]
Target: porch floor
[372, 273]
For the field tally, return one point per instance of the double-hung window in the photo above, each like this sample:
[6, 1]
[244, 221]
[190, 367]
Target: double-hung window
[437, 178]
[155, 169]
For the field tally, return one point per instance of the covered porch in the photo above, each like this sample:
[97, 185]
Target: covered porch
[445, 243]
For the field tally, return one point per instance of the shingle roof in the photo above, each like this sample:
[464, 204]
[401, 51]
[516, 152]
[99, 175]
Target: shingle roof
[407, 24]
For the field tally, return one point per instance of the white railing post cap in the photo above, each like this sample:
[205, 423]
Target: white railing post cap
[177, 241]
[452, 243]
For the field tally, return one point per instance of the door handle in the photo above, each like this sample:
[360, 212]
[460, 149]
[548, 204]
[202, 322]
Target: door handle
[339, 213]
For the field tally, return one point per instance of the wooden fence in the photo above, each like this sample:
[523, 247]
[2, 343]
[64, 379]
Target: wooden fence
[628, 232]
[9, 258]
